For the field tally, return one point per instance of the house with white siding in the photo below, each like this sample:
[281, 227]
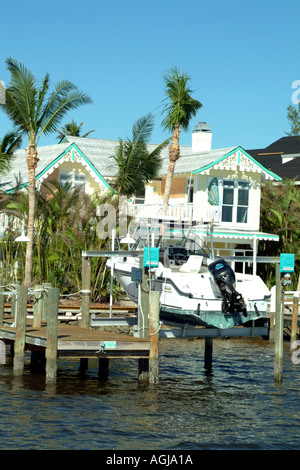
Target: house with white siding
[219, 185]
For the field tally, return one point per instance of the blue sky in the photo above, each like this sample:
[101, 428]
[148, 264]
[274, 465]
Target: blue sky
[242, 57]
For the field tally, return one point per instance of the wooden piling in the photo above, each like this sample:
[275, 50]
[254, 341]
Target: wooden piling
[154, 326]
[278, 343]
[52, 327]
[143, 322]
[294, 322]
[2, 289]
[46, 286]
[14, 298]
[38, 307]
[19, 349]
[272, 327]
[2, 352]
[85, 292]
[143, 308]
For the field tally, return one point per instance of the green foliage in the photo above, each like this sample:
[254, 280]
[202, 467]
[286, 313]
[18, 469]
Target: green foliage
[33, 109]
[65, 225]
[136, 165]
[180, 107]
[9, 143]
[293, 117]
[280, 215]
[72, 128]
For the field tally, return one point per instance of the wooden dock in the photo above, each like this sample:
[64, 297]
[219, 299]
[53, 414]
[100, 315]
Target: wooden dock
[48, 340]
[77, 342]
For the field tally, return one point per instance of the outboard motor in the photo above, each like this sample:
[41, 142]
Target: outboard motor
[224, 278]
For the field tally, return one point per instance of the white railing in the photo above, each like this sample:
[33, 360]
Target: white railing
[181, 211]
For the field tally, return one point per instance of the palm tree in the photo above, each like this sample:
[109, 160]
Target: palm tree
[72, 128]
[136, 164]
[34, 112]
[10, 142]
[179, 108]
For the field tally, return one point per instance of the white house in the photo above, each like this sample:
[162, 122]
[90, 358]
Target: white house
[223, 185]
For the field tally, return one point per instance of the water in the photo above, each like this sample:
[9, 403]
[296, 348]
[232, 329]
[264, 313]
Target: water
[237, 406]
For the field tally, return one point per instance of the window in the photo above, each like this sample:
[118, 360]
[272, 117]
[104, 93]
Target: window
[75, 179]
[190, 190]
[235, 201]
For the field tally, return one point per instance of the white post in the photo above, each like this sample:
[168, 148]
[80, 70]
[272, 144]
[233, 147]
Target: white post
[254, 255]
[112, 273]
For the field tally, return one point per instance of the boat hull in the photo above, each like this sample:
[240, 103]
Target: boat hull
[181, 303]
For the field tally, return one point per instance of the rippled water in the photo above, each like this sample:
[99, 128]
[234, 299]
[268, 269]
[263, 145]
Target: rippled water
[237, 406]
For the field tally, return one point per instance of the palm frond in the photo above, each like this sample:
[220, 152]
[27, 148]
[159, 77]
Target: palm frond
[180, 106]
[136, 165]
[21, 96]
[9, 143]
[64, 98]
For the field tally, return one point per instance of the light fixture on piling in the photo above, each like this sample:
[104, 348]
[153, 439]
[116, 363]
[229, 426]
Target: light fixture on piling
[127, 239]
[22, 238]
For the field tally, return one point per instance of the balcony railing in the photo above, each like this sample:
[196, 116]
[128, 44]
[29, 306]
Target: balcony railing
[180, 211]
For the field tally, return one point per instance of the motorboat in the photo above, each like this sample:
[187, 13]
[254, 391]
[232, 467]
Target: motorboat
[195, 287]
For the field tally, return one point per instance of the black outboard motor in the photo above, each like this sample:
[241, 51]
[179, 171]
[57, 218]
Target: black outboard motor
[224, 277]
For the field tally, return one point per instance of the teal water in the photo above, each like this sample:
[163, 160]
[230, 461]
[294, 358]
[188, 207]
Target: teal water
[236, 406]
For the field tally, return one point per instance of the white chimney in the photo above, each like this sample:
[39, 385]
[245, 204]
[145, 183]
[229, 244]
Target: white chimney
[201, 137]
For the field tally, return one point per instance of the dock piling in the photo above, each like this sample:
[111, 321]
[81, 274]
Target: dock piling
[294, 321]
[86, 292]
[143, 322]
[38, 307]
[154, 325]
[1, 305]
[20, 331]
[52, 327]
[46, 286]
[278, 345]
[14, 298]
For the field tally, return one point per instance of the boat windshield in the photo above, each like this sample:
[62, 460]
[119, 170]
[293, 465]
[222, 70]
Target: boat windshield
[176, 238]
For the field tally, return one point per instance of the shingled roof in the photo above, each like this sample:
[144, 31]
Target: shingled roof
[96, 156]
[272, 157]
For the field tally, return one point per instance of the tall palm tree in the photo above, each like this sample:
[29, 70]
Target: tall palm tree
[35, 111]
[72, 128]
[136, 164]
[179, 109]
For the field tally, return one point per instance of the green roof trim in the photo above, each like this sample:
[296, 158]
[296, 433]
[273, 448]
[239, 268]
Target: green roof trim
[238, 149]
[72, 146]
[238, 234]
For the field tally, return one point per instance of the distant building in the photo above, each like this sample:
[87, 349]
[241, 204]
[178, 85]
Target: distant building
[281, 157]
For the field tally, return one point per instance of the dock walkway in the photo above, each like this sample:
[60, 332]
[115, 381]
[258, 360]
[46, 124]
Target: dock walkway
[77, 342]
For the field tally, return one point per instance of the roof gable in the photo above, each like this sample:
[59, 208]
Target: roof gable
[237, 157]
[52, 157]
[72, 153]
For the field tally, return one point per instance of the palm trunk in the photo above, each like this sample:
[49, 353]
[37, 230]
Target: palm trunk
[174, 153]
[31, 163]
